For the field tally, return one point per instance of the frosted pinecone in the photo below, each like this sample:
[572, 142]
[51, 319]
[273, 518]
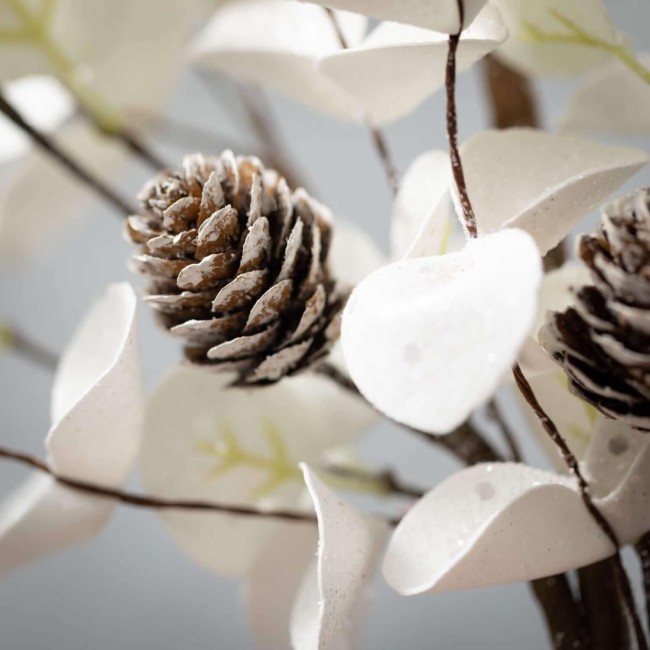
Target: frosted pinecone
[603, 342]
[237, 266]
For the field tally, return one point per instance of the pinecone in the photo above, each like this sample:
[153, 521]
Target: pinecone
[237, 266]
[603, 342]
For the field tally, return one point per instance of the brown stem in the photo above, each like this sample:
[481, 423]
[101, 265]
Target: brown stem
[572, 463]
[643, 551]
[146, 501]
[604, 612]
[73, 166]
[469, 218]
[155, 503]
[29, 349]
[378, 138]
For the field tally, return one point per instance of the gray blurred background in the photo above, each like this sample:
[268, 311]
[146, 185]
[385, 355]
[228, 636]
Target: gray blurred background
[131, 587]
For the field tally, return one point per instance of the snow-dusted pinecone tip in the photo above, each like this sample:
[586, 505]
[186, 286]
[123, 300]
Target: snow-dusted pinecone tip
[603, 342]
[237, 266]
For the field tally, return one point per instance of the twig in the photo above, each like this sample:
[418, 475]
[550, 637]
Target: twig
[469, 218]
[495, 413]
[572, 463]
[378, 138]
[73, 166]
[14, 340]
[154, 503]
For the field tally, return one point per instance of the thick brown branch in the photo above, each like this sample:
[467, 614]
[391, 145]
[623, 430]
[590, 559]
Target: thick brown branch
[512, 101]
[68, 162]
[565, 620]
[603, 608]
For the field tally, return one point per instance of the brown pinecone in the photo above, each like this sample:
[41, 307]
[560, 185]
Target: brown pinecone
[603, 342]
[237, 266]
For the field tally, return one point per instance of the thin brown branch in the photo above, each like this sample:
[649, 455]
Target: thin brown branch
[111, 196]
[376, 134]
[154, 503]
[572, 463]
[17, 342]
[469, 218]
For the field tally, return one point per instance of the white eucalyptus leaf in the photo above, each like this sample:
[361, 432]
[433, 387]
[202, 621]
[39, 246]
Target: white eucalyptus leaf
[330, 604]
[398, 66]
[421, 223]
[530, 56]
[238, 446]
[610, 99]
[493, 524]
[97, 408]
[427, 340]
[541, 182]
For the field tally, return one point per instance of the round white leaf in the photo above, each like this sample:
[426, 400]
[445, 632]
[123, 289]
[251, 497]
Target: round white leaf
[441, 16]
[529, 55]
[277, 44]
[238, 446]
[421, 223]
[493, 524]
[541, 182]
[331, 601]
[427, 340]
[397, 66]
[610, 99]
[97, 403]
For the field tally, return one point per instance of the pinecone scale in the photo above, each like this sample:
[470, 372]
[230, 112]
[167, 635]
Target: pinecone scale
[237, 266]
